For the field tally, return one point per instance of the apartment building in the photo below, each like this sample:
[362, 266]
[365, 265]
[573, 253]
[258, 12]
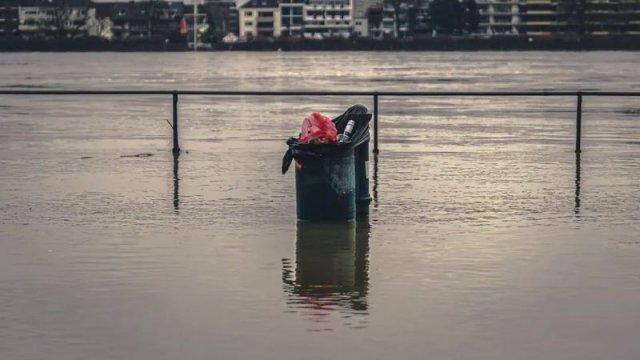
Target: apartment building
[360, 19]
[499, 17]
[382, 22]
[70, 18]
[141, 20]
[292, 17]
[540, 17]
[9, 19]
[37, 21]
[594, 17]
[328, 18]
[259, 18]
[604, 17]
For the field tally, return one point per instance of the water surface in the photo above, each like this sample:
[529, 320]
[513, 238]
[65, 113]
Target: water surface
[488, 237]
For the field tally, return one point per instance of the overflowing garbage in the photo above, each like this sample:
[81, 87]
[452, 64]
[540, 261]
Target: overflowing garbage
[317, 129]
[331, 166]
[320, 136]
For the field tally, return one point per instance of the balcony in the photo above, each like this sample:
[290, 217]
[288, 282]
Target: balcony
[499, 13]
[540, 12]
[539, 23]
[493, 2]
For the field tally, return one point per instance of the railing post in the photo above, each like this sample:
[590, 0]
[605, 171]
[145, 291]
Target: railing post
[375, 123]
[579, 123]
[176, 147]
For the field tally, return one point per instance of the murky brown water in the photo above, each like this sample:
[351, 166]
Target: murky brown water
[488, 239]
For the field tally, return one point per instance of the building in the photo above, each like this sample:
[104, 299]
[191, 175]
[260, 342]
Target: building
[222, 17]
[292, 17]
[37, 21]
[361, 27]
[382, 22]
[420, 19]
[402, 18]
[259, 18]
[360, 21]
[499, 17]
[130, 20]
[9, 19]
[143, 20]
[586, 17]
[540, 17]
[77, 21]
[360, 7]
[60, 18]
[328, 18]
[605, 17]
[412, 18]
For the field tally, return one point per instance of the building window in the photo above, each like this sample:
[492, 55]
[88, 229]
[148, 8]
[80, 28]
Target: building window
[248, 23]
[248, 13]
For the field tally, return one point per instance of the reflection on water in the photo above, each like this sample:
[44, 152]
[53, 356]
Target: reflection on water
[576, 208]
[375, 180]
[331, 271]
[176, 183]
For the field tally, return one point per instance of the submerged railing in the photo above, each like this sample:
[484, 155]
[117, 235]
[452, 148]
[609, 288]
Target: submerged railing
[175, 94]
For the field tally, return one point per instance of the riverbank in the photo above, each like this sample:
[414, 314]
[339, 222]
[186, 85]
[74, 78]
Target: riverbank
[449, 43]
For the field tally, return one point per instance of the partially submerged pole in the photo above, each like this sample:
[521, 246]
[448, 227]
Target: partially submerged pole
[176, 146]
[579, 123]
[195, 26]
[375, 123]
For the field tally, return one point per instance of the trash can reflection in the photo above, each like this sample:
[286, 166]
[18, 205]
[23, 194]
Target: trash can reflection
[330, 272]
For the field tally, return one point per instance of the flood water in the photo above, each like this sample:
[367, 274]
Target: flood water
[488, 238]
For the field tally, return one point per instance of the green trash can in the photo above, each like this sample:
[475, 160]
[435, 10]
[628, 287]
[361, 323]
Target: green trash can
[325, 184]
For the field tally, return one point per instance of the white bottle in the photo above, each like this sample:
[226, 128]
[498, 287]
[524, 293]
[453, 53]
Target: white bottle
[346, 135]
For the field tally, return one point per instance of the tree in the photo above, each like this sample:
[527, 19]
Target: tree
[471, 16]
[396, 12]
[572, 13]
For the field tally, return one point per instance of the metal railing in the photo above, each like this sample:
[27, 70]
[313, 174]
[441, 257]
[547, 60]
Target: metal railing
[375, 95]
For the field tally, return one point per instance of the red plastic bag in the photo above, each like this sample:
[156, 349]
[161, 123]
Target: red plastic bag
[317, 129]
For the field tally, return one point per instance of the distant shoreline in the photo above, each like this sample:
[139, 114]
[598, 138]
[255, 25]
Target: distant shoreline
[506, 43]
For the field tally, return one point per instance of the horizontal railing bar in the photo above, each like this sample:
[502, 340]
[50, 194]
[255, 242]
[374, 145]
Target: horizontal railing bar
[85, 92]
[321, 93]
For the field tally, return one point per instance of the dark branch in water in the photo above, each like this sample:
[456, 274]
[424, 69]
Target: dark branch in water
[141, 155]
